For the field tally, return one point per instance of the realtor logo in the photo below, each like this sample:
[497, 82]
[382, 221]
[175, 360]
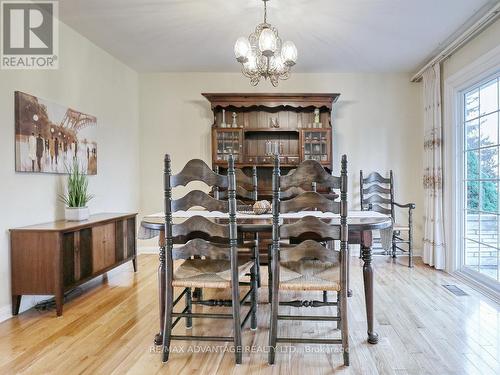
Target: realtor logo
[29, 35]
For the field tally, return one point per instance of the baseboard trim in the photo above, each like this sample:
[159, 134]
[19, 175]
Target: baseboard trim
[5, 312]
[477, 286]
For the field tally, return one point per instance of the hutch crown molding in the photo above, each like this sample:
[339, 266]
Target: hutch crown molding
[253, 126]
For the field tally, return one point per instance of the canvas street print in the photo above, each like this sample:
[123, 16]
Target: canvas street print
[50, 136]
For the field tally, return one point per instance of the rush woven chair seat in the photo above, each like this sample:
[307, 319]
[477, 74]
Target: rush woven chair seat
[309, 274]
[209, 255]
[208, 273]
[309, 265]
[377, 194]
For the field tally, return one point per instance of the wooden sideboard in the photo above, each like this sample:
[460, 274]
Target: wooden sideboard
[285, 119]
[52, 258]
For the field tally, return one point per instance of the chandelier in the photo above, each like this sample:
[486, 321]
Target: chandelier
[263, 54]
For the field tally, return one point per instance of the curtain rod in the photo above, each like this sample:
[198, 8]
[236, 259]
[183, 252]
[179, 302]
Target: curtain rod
[462, 39]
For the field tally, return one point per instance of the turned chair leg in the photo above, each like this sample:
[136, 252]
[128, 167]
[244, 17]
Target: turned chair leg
[339, 312]
[410, 249]
[189, 306]
[253, 296]
[273, 328]
[167, 325]
[345, 326]
[269, 275]
[257, 258]
[394, 249]
[235, 296]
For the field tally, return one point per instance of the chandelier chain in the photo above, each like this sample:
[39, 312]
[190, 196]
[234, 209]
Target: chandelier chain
[265, 10]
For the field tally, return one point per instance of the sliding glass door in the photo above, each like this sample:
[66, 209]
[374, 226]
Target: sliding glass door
[480, 181]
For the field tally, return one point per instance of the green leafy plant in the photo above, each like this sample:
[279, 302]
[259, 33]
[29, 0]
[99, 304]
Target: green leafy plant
[77, 191]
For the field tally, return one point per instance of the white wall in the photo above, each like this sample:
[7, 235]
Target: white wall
[377, 123]
[94, 82]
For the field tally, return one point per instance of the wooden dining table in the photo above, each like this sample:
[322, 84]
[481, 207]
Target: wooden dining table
[361, 224]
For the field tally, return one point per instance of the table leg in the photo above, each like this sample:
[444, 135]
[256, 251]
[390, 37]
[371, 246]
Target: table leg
[366, 252]
[349, 290]
[161, 289]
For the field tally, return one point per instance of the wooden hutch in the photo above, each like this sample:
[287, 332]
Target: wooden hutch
[257, 124]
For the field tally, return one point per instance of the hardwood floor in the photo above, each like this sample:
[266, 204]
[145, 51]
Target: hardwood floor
[423, 329]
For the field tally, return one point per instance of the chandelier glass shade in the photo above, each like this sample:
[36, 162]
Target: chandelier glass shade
[264, 55]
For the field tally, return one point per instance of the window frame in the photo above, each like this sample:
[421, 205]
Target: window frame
[482, 68]
[462, 208]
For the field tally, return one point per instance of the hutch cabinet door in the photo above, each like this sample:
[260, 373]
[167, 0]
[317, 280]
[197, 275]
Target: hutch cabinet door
[316, 145]
[226, 141]
[103, 246]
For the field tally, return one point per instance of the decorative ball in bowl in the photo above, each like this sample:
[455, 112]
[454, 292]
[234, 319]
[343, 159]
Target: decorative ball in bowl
[261, 207]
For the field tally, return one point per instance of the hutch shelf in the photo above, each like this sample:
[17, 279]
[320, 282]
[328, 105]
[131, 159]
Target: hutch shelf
[253, 126]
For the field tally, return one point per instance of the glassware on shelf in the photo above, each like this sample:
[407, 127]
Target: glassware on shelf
[235, 123]
[316, 117]
[223, 123]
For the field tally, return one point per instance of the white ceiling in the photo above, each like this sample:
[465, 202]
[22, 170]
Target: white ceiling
[331, 35]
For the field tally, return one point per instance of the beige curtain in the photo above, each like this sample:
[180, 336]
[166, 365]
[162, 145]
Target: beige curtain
[434, 247]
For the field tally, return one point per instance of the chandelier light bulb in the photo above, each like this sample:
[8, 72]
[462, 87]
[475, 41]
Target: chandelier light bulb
[267, 42]
[277, 63]
[289, 53]
[251, 63]
[242, 49]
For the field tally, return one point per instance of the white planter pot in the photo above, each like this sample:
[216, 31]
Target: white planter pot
[76, 213]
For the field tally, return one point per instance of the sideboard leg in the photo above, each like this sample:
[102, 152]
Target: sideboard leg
[16, 304]
[59, 303]
[134, 263]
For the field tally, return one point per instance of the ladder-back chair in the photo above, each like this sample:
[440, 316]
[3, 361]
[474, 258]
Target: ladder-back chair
[216, 242]
[246, 186]
[247, 194]
[377, 194]
[309, 265]
[310, 175]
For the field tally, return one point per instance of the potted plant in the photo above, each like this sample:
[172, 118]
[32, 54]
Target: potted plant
[76, 196]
